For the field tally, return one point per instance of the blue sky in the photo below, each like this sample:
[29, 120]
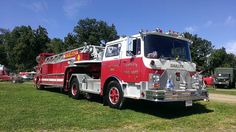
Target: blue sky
[214, 20]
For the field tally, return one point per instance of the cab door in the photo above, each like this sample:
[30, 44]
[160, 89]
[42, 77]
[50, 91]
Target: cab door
[111, 61]
[131, 60]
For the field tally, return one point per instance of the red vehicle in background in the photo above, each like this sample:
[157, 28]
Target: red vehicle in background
[4, 75]
[27, 75]
[209, 81]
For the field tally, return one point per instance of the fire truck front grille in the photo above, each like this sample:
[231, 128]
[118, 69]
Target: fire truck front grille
[176, 79]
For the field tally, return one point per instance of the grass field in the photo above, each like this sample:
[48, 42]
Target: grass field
[231, 91]
[22, 108]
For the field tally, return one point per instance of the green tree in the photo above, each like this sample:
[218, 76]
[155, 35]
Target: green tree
[220, 58]
[20, 48]
[22, 45]
[71, 41]
[56, 46]
[93, 31]
[3, 53]
[230, 60]
[41, 36]
[200, 49]
[4, 31]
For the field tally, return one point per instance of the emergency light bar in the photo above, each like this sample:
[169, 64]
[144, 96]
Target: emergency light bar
[173, 33]
[159, 30]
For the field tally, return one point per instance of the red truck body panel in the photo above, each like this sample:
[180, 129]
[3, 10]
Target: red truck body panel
[51, 68]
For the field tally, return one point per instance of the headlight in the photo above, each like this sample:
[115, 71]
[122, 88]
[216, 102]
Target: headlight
[156, 78]
[195, 82]
[195, 77]
[154, 81]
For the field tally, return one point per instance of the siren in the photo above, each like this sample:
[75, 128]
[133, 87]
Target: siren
[173, 33]
[158, 30]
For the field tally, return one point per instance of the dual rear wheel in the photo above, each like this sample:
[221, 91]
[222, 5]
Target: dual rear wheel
[38, 85]
[74, 90]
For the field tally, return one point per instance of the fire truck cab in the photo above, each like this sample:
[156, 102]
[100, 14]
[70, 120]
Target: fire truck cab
[152, 66]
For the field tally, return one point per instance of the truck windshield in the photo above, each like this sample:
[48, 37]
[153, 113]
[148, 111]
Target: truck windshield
[156, 46]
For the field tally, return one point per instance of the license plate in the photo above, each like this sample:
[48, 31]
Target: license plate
[188, 103]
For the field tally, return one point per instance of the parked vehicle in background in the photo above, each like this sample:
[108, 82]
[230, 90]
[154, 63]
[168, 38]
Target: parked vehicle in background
[27, 75]
[24, 75]
[208, 80]
[4, 75]
[225, 77]
[16, 78]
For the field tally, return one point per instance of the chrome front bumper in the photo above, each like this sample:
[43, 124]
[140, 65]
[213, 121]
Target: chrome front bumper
[175, 95]
[221, 83]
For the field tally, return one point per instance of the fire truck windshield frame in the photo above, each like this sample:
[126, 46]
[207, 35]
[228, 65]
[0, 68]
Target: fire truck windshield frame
[156, 46]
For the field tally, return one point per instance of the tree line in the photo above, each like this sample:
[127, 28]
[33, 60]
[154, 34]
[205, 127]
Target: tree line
[207, 57]
[19, 47]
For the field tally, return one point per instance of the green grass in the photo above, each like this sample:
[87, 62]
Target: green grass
[222, 91]
[22, 108]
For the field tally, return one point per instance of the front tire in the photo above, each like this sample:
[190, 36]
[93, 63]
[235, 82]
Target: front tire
[114, 95]
[74, 91]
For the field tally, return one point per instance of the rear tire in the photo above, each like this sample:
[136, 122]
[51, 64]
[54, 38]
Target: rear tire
[114, 95]
[74, 90]
[38, 86]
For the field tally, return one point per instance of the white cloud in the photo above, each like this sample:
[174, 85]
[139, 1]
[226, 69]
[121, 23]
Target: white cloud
[230, 20]
[231, 47]
[208, 23]
[71, 7]
[191, 29]
[37, 6]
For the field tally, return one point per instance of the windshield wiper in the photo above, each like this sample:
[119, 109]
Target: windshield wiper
[167, 58]
[173, 58]
[182, 59]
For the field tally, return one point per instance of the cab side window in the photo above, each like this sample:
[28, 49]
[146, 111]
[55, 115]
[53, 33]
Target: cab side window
[135, 48]
[112, 50]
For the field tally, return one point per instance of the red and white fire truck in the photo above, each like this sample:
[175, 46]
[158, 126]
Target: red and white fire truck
[152, 66]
